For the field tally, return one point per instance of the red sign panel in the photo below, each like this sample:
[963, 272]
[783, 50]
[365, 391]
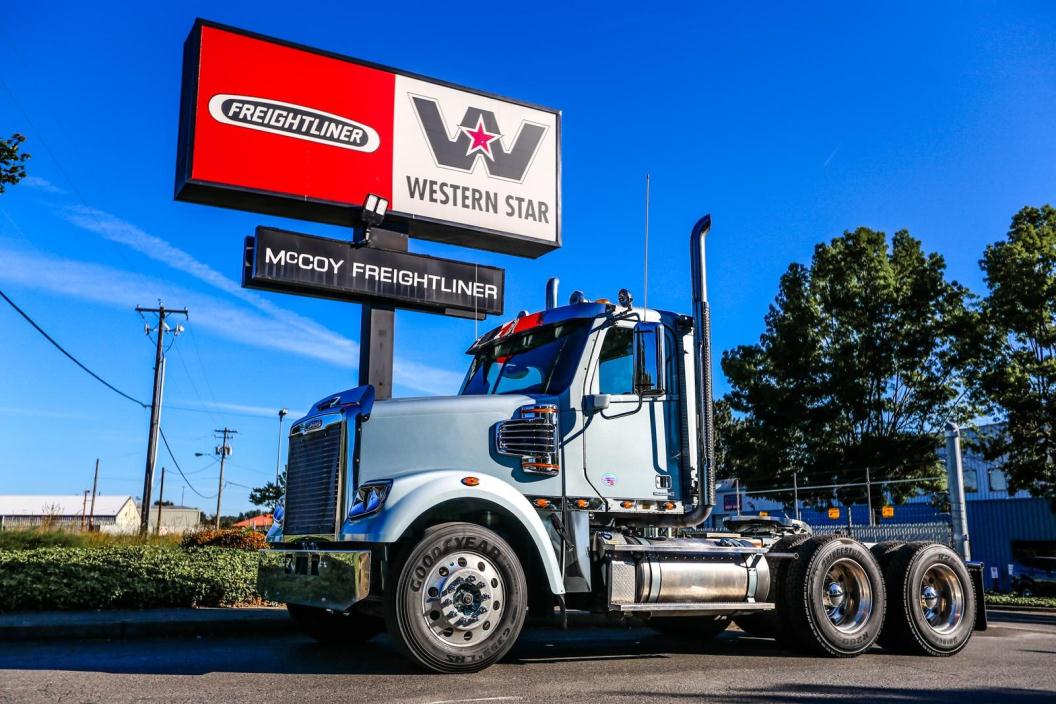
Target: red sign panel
[278, 128]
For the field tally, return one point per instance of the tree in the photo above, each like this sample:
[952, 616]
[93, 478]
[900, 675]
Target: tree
[857, 368]
[12, 162]
[270, 494]
[1015, 357]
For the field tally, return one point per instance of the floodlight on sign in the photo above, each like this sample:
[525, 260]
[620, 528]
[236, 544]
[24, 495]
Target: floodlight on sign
[374, 208]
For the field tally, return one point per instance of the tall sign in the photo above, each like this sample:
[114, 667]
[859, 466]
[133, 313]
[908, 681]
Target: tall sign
[280, 128]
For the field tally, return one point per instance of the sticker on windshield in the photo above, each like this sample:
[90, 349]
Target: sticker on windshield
[608, 479]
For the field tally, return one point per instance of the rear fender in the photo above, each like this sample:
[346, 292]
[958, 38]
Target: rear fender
[412, 495]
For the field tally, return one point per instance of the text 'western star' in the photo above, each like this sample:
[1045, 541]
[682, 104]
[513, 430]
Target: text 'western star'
[469, 198]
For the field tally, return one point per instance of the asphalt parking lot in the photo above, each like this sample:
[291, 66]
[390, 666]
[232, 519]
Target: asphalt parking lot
[1012, 662]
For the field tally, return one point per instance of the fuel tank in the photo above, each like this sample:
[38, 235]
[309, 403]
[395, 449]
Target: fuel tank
[682, 570]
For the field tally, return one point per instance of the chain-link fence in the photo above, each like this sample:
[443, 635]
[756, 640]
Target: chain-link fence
[933, 532]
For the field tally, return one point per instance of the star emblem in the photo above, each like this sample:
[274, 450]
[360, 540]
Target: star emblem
[480, 138]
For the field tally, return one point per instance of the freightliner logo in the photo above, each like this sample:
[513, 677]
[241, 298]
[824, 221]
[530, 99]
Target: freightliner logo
[292, 120]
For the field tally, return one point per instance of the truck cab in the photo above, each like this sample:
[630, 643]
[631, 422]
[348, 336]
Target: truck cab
[572, 471]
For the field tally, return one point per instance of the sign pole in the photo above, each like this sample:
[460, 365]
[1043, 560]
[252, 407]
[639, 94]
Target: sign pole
[377, 328]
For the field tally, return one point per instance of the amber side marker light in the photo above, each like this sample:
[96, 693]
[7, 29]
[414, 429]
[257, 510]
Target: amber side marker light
[582, 503]
[627, 504]
[470, 481]
[668, 505]
[542, 503]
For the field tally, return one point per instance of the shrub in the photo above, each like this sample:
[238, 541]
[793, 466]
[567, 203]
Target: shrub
[236, 538]
[114, 577]
[995, 599]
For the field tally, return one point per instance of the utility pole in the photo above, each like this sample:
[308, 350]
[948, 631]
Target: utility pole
[161, 501]
[223, 449]
[955, 481]
[869, 496]
[84, 510]
[155, 405]
[95, 487]
[278, 451]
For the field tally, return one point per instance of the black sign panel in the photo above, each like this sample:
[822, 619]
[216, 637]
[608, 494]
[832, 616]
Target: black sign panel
[289, 262]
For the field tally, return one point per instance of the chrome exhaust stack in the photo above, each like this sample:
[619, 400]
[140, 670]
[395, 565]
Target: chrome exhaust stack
[705, 460]
[551, 292]
[702, 374]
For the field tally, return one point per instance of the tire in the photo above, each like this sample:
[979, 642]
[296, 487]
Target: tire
[931, 605]
[458, 600]
[767, 624]
[696, 629]
[883, 552]
[833, 598]
[335, 627]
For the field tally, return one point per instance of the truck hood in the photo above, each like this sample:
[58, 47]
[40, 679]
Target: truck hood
[408, 435]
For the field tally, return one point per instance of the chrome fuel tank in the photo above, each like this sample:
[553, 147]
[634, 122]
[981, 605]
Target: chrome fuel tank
[683, 570]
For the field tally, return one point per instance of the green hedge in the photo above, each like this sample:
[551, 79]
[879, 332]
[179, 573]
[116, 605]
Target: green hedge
[125, 577]
[995, 599]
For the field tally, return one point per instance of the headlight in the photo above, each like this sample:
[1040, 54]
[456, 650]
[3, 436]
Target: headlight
[369, 499]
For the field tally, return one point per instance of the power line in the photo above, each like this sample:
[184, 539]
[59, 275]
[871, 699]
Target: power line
[168, 449]
[73, 359]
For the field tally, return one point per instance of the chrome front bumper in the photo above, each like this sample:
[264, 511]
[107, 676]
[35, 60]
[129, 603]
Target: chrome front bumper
[330, 579]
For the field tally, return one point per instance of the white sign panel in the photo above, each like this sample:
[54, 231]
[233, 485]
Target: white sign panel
[480, 161]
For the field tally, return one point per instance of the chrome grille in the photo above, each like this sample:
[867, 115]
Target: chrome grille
[533, 437]
[313, 478]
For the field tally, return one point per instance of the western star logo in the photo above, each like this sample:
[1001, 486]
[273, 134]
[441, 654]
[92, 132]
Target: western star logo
[292, 120]
[478, 139]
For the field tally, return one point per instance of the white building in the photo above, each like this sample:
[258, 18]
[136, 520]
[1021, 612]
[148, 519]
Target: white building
[112, 514]
[175, 519]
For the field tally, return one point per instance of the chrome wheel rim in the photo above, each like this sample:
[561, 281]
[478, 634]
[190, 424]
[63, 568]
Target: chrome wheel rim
[941, 598]
[847, 596]
[463, 599]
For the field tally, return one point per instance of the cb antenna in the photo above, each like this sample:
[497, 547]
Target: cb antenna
[645, 263]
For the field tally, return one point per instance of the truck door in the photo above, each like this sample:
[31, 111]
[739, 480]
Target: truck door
[632, 449]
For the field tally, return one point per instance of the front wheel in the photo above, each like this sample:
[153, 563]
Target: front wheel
[459, 600]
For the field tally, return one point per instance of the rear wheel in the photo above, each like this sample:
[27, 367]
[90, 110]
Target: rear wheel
[931, 601]
[459, 600]
[335, 627]
[833, 597]
[883, 552]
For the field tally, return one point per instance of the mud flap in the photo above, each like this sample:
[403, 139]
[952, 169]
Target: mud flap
[975, 570]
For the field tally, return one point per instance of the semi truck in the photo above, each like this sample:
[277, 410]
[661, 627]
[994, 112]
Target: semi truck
[574, 470]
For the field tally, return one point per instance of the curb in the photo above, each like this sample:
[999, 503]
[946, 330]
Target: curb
[161, 623]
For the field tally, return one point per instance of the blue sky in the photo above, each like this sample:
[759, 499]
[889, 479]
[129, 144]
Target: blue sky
[788, 122]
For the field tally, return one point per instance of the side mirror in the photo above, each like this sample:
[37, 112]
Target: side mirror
[594, 403]
[648, 372]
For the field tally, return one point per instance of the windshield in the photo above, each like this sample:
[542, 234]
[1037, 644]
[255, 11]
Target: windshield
[537, 361]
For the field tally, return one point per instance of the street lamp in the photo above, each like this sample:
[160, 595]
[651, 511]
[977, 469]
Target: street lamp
[278, 450]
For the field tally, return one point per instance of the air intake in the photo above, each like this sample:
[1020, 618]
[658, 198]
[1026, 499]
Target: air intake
[533, 437]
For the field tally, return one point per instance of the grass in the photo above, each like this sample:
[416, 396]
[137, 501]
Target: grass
[27, 539]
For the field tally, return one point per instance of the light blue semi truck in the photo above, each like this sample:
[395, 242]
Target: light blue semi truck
[573, 471]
